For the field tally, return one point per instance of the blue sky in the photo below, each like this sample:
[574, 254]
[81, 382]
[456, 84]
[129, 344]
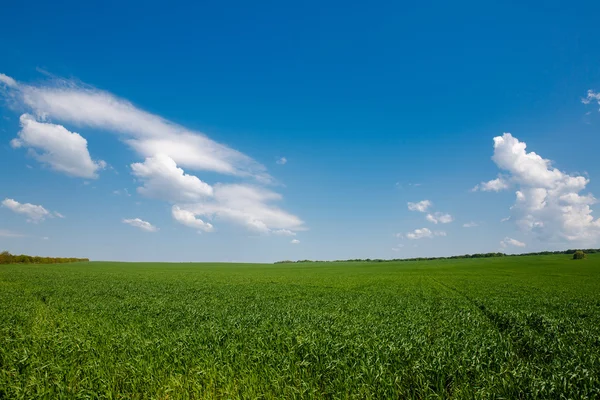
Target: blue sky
[158, 132]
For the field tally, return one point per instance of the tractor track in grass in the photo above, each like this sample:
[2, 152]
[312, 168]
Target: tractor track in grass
[521, 334]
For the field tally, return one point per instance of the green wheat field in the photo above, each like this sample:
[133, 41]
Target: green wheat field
[503, 328]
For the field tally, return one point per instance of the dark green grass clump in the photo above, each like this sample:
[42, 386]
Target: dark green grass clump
[518, 327]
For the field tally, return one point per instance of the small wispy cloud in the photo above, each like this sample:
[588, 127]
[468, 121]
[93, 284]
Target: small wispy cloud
[34, 213]
[471, 224]
[295, 241]
[438, 217]
[591, 96]
[422, 234]
[400, 186]
[282, 161]
[495, 185]
[123, 192]
[9, 234]
[141, 224]
[511, 242]
[283, 232]
[420, 206]
[7, 80]
[397, 247]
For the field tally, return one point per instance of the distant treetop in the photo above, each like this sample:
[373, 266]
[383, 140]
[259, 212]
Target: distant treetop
[477, 255]
[7, 258]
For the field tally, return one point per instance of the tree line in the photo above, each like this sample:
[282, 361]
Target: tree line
[7, 258]
[477, 255]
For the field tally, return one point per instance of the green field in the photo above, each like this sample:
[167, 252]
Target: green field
[512, 327]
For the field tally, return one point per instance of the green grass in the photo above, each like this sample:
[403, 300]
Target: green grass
[522, 327]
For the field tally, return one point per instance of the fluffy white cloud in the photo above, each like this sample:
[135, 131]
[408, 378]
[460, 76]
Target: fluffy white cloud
[495, 185]
[421, 206]
[295, 241]
[188, 218]
[62, 150]
[548, 201]
[164, 180]
[470, 224]
[246, 205]
[511, 242]
[33, 212]
[529, 168]
[168, 149]
[138, 223]
[442, 218]
[282, 161]
[9, 234]
[423, 233]
[147, 133]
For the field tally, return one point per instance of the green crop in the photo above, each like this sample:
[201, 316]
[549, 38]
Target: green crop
[503, 328]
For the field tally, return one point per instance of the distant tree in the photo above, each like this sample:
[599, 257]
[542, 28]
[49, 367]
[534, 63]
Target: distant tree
[5, 257]
[578, 255]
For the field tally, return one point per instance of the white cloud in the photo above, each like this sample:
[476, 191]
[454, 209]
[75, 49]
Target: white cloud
[8, 234]
[397, 247]
[164, 180]
[423, 233]
[421, 206]
[59, 215]
[283, 232]
[146, 133]
[7, 80]
[439, 217]
[138, 223]
[124, 192]
[548, 201]
[33, 212]
[188, 218]
[471, 224]
[62, 150]
[295, 241]
[495, 185]
[168, 149]
[246, 205]
[282, 161]
[591, 96]
[511, 242]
